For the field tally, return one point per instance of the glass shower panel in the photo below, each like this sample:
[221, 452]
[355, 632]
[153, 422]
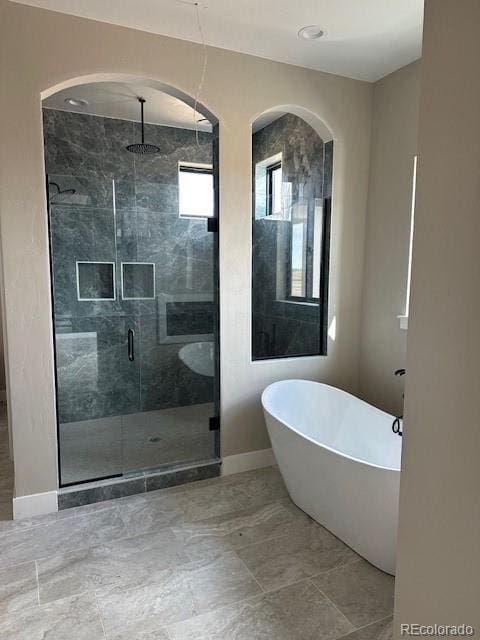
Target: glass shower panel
[172, 300]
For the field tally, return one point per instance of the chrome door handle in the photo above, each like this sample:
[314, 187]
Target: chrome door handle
[131, 345]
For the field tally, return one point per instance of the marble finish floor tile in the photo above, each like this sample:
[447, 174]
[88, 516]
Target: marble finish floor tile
[296, 612]
[55, 517]
[178, 594]
[18, 587]
[126, 563]
[239, 529]
[64, 535]
[228, 558]
[158, 509]
[363, 593]
[259, 487]
[158, 634]
[72, 618]
[310, 551]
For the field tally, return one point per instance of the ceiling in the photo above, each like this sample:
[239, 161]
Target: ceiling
[365, 39]
[120, 100]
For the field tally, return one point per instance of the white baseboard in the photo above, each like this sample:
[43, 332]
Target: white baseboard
[247, 461]
[36, 504]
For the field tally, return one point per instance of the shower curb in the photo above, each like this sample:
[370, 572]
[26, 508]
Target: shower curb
[151, 480]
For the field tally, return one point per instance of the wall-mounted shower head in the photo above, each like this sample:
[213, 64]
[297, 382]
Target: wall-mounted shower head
[59, 192]
[142, 147]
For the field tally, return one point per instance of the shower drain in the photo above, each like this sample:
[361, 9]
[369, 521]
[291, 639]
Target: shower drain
[154, 439]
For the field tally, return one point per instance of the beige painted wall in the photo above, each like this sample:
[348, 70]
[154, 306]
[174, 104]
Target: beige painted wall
[394, 145]
[438, 578]
[42, 49]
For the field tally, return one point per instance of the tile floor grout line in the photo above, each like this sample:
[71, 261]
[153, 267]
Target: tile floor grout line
[287, 584]
[339, 566]
[38, 582]
[100, 616]
[46, 604]
[247, 600]
[237, 602]
[262, 590]
[334, 605]
[364, 626]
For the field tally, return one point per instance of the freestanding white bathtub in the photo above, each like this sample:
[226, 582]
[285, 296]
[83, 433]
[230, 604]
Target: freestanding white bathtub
[340, 462]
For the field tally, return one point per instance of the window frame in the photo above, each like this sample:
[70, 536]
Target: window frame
[270, 170]
[311, 221]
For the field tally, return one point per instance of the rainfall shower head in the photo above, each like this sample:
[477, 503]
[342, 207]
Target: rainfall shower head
[142, 147]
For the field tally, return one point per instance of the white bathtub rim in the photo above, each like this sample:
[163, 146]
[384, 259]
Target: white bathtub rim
[312, 440]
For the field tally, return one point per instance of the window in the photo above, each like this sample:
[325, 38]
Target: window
[274, 189]
[195, 190]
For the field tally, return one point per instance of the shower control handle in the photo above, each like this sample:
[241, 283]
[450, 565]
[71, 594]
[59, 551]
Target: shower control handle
[131, 345]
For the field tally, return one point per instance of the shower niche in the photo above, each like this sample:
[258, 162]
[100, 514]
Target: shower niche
[134, 281]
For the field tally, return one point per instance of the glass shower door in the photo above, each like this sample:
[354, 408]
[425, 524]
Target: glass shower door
[133, 294]
[96, 382]
[170, 289]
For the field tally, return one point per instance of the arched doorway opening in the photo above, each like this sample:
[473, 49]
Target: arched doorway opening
[132, 195]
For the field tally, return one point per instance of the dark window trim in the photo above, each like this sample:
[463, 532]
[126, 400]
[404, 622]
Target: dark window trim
[325, 273]
[188, 169]
[269, 176]
[324, 262]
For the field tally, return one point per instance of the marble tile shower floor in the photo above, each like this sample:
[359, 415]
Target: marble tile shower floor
[6, 468]
[107, 446]
[224, 559]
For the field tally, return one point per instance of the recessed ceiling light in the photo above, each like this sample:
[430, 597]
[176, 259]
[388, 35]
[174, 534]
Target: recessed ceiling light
[311, 32]
[76, 102]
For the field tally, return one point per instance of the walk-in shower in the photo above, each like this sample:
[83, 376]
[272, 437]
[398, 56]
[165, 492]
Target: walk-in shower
[134, 283]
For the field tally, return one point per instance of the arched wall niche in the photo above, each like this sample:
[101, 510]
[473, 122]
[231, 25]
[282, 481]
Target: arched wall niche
[292, 176]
